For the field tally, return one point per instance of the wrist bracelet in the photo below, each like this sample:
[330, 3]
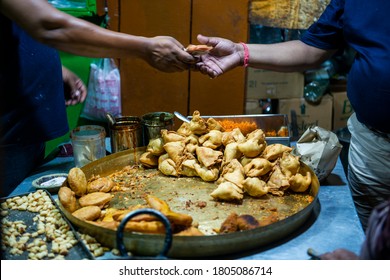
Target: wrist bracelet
[246, 54]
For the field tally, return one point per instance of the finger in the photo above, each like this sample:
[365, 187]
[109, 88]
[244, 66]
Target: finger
[202, 39]
[71, 101]
[197, 58]
[75, 98]
[178, 66]
[212, 69]
[81, 92]
[208, 71]
[172, 68]
[184, 63]
[209, 41]
[214, 74]
[203, 69]
[185, 57]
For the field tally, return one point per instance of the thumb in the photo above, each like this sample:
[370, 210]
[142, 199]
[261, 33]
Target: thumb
[209, 41]
[202, 39]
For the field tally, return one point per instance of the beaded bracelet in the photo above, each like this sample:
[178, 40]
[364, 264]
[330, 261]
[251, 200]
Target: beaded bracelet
[246, 54]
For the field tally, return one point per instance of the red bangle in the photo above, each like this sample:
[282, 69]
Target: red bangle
[246, 54]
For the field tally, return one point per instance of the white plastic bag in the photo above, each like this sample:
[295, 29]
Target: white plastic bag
[104, 91]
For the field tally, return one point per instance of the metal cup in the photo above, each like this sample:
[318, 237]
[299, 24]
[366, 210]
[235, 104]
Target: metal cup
[126, 133]
[153, 123]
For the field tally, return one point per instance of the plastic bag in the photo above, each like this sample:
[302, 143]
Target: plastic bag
[104, 91]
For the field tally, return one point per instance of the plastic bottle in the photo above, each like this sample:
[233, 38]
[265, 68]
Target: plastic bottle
[318, 81]
[314, 90]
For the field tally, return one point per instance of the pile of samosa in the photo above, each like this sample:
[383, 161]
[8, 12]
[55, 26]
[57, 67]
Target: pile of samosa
[238, 163]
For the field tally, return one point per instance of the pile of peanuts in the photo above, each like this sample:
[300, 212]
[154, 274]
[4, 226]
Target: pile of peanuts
[48, 227]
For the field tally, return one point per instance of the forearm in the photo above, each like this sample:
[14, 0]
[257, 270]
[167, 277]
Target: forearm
[64, 32]
[286, 57]
[86, 39]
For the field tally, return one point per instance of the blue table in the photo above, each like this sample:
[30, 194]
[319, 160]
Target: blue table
[333, 223]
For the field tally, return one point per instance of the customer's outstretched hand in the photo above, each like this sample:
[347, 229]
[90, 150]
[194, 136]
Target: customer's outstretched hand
[224, 56]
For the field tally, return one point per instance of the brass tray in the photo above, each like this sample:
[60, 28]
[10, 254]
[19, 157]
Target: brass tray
[183, 195]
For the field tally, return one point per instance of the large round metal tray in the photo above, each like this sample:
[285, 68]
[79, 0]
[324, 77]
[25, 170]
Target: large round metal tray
[178, 192]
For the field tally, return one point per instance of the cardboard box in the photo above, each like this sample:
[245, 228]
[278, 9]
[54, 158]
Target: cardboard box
[338, 85]
[252, 106]
[342, 109]
[307, 114]
[263, 84]
[261, 106]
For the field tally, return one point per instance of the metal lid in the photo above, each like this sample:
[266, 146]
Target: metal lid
[157, 119]
[88, 132]
[130, 122]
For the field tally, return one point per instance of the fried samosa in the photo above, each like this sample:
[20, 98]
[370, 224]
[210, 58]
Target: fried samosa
[213, 124]
[232, 136]
[233, 172]
[254, 144]
[231, 152]
[197, 124]
[258, 167]
[228, 191]
[208, 157]
[184, 129]
[149, 160]
[255, 187]
[278, 182]
[289, 164]
[275, 151]
[171, 136]
[175, 150]
[207, 174]
[212, 139]
[299, 182]
[156, 146]
[167, 166]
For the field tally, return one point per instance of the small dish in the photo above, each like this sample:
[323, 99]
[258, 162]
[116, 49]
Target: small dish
[51, 182]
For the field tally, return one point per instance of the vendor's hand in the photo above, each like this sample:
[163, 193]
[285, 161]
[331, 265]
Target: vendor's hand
[339, 254]
[75, 90]
[168, 55]
[224, 56]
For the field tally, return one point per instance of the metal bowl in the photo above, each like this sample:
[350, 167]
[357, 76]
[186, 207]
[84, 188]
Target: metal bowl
[51, 182]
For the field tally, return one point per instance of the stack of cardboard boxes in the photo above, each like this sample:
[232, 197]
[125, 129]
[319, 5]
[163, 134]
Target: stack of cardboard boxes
[342, 109]
[331, 113]
[278, 21]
